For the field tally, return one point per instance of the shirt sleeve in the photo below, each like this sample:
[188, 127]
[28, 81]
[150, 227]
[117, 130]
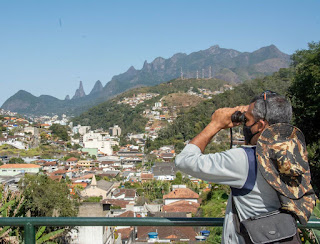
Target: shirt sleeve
[227, 168]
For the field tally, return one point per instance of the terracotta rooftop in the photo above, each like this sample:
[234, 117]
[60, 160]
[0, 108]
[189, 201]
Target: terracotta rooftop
[127, 214]
[41, 161]
[125, 233]
[146, 176]
[72, 159]
[182, 206]
[174, 233]
[184, 193]
[116, 202]
[55, 177]
[83, 184]
[50, 163]
[60, 171]
[19, 166]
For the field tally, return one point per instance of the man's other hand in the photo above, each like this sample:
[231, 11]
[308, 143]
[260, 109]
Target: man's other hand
[221, 118]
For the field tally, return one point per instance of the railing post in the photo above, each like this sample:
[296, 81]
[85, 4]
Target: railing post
[29, 234]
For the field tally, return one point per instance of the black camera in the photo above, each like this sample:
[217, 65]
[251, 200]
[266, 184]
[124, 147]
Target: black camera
[238, 117]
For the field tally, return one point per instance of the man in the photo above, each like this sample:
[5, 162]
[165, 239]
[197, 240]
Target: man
[252, 195]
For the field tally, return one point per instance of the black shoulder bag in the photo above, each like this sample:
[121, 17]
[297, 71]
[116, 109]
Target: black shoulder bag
[271, 227]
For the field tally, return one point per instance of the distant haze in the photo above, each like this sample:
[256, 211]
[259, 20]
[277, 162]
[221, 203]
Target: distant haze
[48, 47]
[227, 65]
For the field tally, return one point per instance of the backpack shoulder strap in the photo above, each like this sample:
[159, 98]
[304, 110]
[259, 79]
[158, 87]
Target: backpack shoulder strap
[252, 173]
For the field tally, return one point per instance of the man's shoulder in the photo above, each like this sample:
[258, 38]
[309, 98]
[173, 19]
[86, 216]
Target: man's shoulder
[241, 150]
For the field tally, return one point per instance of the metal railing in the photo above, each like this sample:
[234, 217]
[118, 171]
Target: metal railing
[29, 224]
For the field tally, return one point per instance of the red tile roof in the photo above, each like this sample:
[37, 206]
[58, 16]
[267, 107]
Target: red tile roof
[127, 214]
[147, 176]
[55, 177]
[125, 233]
[116, 202]
[167, 232]
[183, 193]
[50, 163]
[72, 159]
[182, 206]
[19, 166]
[60, 171]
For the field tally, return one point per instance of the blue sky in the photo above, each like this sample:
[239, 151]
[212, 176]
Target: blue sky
[47, 47]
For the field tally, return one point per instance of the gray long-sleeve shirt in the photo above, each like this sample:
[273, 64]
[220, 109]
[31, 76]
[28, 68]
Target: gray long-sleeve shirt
[230, 168]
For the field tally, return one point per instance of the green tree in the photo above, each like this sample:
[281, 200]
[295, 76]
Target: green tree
[178, 179]
[16, 161]
[60, 131]
[45, 197]
[305, 97]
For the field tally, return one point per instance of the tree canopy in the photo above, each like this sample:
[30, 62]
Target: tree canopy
[60, 131]
[189, 124]
[305, 97]
[45, 197]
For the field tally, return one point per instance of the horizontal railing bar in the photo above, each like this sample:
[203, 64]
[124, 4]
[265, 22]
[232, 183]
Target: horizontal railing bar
[108, 221]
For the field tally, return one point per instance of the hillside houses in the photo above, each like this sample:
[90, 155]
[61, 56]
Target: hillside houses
[123, 180]
[137, 99]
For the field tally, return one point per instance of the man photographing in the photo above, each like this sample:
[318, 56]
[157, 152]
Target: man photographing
[252, 193]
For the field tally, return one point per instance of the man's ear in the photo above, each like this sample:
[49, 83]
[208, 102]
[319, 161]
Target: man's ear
[262, 124]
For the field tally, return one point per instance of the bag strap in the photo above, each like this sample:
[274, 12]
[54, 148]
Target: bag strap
[248, 185]
[236, 218]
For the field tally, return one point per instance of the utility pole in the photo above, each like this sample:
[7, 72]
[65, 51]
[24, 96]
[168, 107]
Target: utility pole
[181, 74]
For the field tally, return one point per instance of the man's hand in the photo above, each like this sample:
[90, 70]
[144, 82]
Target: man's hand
[221, 118]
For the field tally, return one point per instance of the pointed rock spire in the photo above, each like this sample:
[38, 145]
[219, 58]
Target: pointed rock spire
[79, 92]
[67, 97]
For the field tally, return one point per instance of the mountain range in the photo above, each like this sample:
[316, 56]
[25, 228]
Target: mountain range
[215, 62]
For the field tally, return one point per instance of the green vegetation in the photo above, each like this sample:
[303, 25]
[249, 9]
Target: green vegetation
[60, 131]
[213, 205]
[43, 237]
[16, 161]
[305, 97]
[44, 151]
[189, 124]
[11, 205]
[93, 199]
[130, 119]
[109, 113]
[46, 198]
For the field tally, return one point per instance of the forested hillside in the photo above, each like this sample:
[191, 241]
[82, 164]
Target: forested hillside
[130, 119]
[189, 124]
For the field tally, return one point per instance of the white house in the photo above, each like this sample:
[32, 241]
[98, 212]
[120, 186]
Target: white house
[124, 194]
[15, 169]
[95, 140]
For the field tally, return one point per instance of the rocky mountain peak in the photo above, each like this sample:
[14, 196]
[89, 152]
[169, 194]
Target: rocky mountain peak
[79, 92]
[67, 97]
[214, 48]
[97, 87]
[131, 69]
